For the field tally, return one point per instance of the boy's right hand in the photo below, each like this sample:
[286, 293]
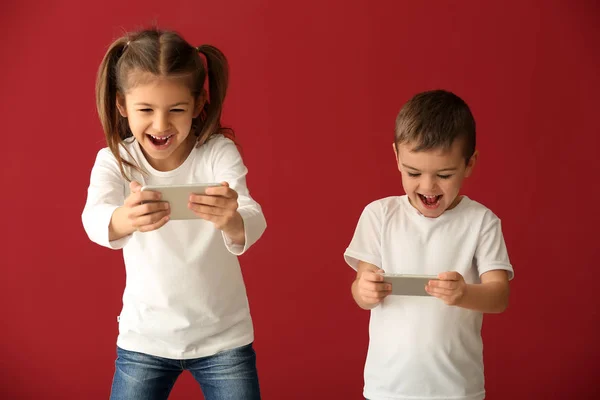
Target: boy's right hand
[370, 288]
[135, 216]
[145, 217]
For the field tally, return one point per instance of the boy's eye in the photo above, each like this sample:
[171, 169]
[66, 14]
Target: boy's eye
[145, 110]
[412, 174]
[444, 176]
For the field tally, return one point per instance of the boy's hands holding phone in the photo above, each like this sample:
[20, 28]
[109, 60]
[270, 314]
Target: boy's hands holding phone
[368, 289]
[142, 211]
[450, 288]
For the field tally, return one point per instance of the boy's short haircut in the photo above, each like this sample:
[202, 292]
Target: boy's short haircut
[434, 120]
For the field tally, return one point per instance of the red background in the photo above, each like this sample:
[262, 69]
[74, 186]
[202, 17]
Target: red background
[315, 89]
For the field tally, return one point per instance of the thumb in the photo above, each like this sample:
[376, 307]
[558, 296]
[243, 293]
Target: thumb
[135, 186]
[225, 184]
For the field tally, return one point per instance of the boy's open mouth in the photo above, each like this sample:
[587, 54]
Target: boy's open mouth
[160, 140]
[430, 201]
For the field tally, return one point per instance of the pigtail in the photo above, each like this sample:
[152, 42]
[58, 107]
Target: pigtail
[218, 81]
[114, 125]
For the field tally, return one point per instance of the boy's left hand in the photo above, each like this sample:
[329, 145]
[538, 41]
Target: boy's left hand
[219, 205]
[451, 287]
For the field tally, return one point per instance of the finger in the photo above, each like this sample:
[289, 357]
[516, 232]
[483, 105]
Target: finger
[136, 198]
[216, 220]
[449, 276]
[223, 190]
[370, 300]
[373, 295]
[135, 186]
[216, 211]
[439, 291]
[142, 223]
[443, 284]
[372, 276]
[216, 201]
[149, 209]
[375, 287]
[154, 226]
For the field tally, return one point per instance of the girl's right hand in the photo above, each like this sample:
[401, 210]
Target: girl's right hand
[145, 217]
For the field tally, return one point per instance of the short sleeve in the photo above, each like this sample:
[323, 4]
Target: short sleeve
[491, 253]
[366, 243]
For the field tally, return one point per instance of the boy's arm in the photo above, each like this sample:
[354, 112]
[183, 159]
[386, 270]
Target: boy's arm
[495, 271]
[489, 296]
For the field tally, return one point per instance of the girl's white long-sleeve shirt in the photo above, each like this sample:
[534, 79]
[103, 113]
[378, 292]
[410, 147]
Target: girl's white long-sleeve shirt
[184, 295]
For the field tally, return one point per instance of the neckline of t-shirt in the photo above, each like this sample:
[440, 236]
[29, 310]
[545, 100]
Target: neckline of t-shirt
[461, 204]
[164, 174]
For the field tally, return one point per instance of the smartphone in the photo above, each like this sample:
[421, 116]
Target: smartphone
[409, 285]
[178, 197]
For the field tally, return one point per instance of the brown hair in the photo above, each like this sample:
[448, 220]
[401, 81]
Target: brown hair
[165, 54]
[435, 119]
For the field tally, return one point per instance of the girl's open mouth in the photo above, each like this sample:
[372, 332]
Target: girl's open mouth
[160, 141]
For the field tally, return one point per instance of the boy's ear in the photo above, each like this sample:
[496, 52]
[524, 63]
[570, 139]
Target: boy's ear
[395, 152]
[471, 164]
[199, 104]
[121, 105]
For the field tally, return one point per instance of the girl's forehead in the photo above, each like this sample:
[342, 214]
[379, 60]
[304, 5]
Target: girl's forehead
[138, 81]
[161, 88]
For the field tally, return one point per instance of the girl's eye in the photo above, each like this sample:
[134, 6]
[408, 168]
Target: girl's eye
[444, 176]
[177, 110]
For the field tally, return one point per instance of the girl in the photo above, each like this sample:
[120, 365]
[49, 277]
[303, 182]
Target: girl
[185, 304]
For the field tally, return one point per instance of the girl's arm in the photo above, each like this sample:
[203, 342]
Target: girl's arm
[248, 222]
[105, 194]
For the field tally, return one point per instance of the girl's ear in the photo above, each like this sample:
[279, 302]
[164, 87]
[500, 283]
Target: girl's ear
[121, 105]
[199, 104]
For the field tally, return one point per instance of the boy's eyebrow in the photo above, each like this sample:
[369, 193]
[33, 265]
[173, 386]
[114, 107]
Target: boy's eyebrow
[441, 170]
[181, 103]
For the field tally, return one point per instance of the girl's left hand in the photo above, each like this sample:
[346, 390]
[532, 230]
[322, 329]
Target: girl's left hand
[451, 287]
[219, 205]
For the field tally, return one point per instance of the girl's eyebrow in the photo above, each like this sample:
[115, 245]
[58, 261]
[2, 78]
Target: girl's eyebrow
[181, 103]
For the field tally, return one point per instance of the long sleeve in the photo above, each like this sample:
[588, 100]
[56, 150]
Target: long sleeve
[228, 167]
[105, 194]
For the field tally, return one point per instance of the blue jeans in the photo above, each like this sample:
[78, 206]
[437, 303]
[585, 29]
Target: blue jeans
[228, 375]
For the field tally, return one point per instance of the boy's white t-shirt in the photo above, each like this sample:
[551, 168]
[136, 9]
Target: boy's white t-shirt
[184, 295]
[420, 348]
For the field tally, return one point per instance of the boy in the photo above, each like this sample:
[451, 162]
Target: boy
[430, 347]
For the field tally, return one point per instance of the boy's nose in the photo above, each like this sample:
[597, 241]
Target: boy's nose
[428, 183]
